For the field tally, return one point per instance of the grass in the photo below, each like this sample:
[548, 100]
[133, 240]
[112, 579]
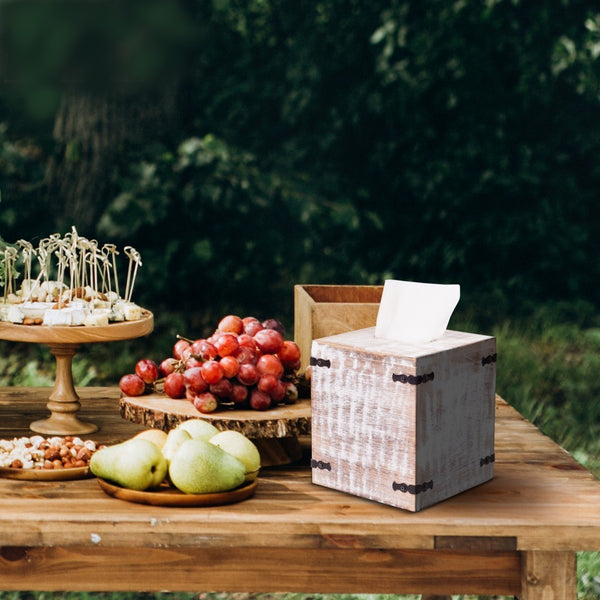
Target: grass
[548, 365]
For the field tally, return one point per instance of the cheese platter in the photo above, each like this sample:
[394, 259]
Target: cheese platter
[63, 293]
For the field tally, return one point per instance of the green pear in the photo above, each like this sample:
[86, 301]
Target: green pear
[137, 464]
[175, 438]
[199, 429]
[158, 436]
[242, 448]
[199, 467]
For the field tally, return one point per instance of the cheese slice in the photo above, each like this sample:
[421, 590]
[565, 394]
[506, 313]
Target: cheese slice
[70, 316]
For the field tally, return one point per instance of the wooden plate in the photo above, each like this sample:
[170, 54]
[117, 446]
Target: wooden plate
[45, 474]
[170, 496]
[58, 334]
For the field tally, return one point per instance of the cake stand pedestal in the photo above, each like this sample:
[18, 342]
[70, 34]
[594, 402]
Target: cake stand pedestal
[64, 343]
[63, 403]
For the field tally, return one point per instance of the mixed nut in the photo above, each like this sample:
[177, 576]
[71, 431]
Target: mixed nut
[38, 452]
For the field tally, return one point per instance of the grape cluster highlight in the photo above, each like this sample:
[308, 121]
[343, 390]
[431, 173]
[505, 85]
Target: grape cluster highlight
[245, 363]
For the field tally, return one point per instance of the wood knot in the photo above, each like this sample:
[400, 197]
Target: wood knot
[13, 553]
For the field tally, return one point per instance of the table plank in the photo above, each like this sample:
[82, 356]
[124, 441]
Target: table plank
[544, 502]
[498, 538]
[265, 569]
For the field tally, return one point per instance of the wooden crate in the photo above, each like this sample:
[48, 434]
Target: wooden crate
[405, 425]
[321, 310]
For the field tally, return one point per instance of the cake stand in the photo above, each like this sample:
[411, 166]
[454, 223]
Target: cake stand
[64, 343]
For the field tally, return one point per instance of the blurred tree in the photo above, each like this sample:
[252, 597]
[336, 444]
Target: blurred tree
[109, 73]
[90, 130]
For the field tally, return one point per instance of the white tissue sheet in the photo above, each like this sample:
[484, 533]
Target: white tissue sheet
[413, 312]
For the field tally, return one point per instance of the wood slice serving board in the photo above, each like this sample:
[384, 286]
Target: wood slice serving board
[275, 431]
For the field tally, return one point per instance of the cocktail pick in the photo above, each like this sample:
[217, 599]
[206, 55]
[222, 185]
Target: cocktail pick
[83, 245]
[10, 257]
[28, 252]
[111, 250]
[104, 271]
[53, 245]
[71, 259]
[92, 260]
[73, 254]
[60, 271]
[64, 261]
[43, 258]
[7, 274]
[135, 260]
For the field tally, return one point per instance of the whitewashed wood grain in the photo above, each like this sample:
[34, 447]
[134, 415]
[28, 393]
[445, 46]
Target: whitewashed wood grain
[370, 432]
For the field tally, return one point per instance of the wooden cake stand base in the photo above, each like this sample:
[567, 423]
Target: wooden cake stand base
[275, 431]
[64, 343]
[63, 403]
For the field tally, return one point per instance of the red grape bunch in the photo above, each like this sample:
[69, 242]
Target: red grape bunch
[245, 363]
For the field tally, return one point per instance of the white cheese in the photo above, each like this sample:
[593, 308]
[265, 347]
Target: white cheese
[14, 314]
[52, 288]
[97, 317]
[126, 311]
[35, 310]
[70, 316]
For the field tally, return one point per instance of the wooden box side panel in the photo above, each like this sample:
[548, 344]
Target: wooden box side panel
[363, 425]
[355, 294]
[303, 308]
[339, 318]
[455, 420]
[323, 310]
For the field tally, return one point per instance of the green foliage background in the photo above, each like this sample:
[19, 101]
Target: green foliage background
[337, 141]
[343, 141]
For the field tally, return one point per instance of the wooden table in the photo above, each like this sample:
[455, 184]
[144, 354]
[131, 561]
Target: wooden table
[515, 535]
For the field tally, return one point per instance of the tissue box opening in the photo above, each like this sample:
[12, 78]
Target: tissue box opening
[405, 425]
[321, 310]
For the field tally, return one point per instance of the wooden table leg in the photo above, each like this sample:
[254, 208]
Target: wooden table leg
[548, 576]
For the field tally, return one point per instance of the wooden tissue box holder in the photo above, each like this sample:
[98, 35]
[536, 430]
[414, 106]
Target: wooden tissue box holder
[406, 425]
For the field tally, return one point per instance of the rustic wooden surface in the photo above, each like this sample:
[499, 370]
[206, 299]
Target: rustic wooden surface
[162, 412]
[275, 432]
[374, 433]
[514, 535]
[321, 310]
